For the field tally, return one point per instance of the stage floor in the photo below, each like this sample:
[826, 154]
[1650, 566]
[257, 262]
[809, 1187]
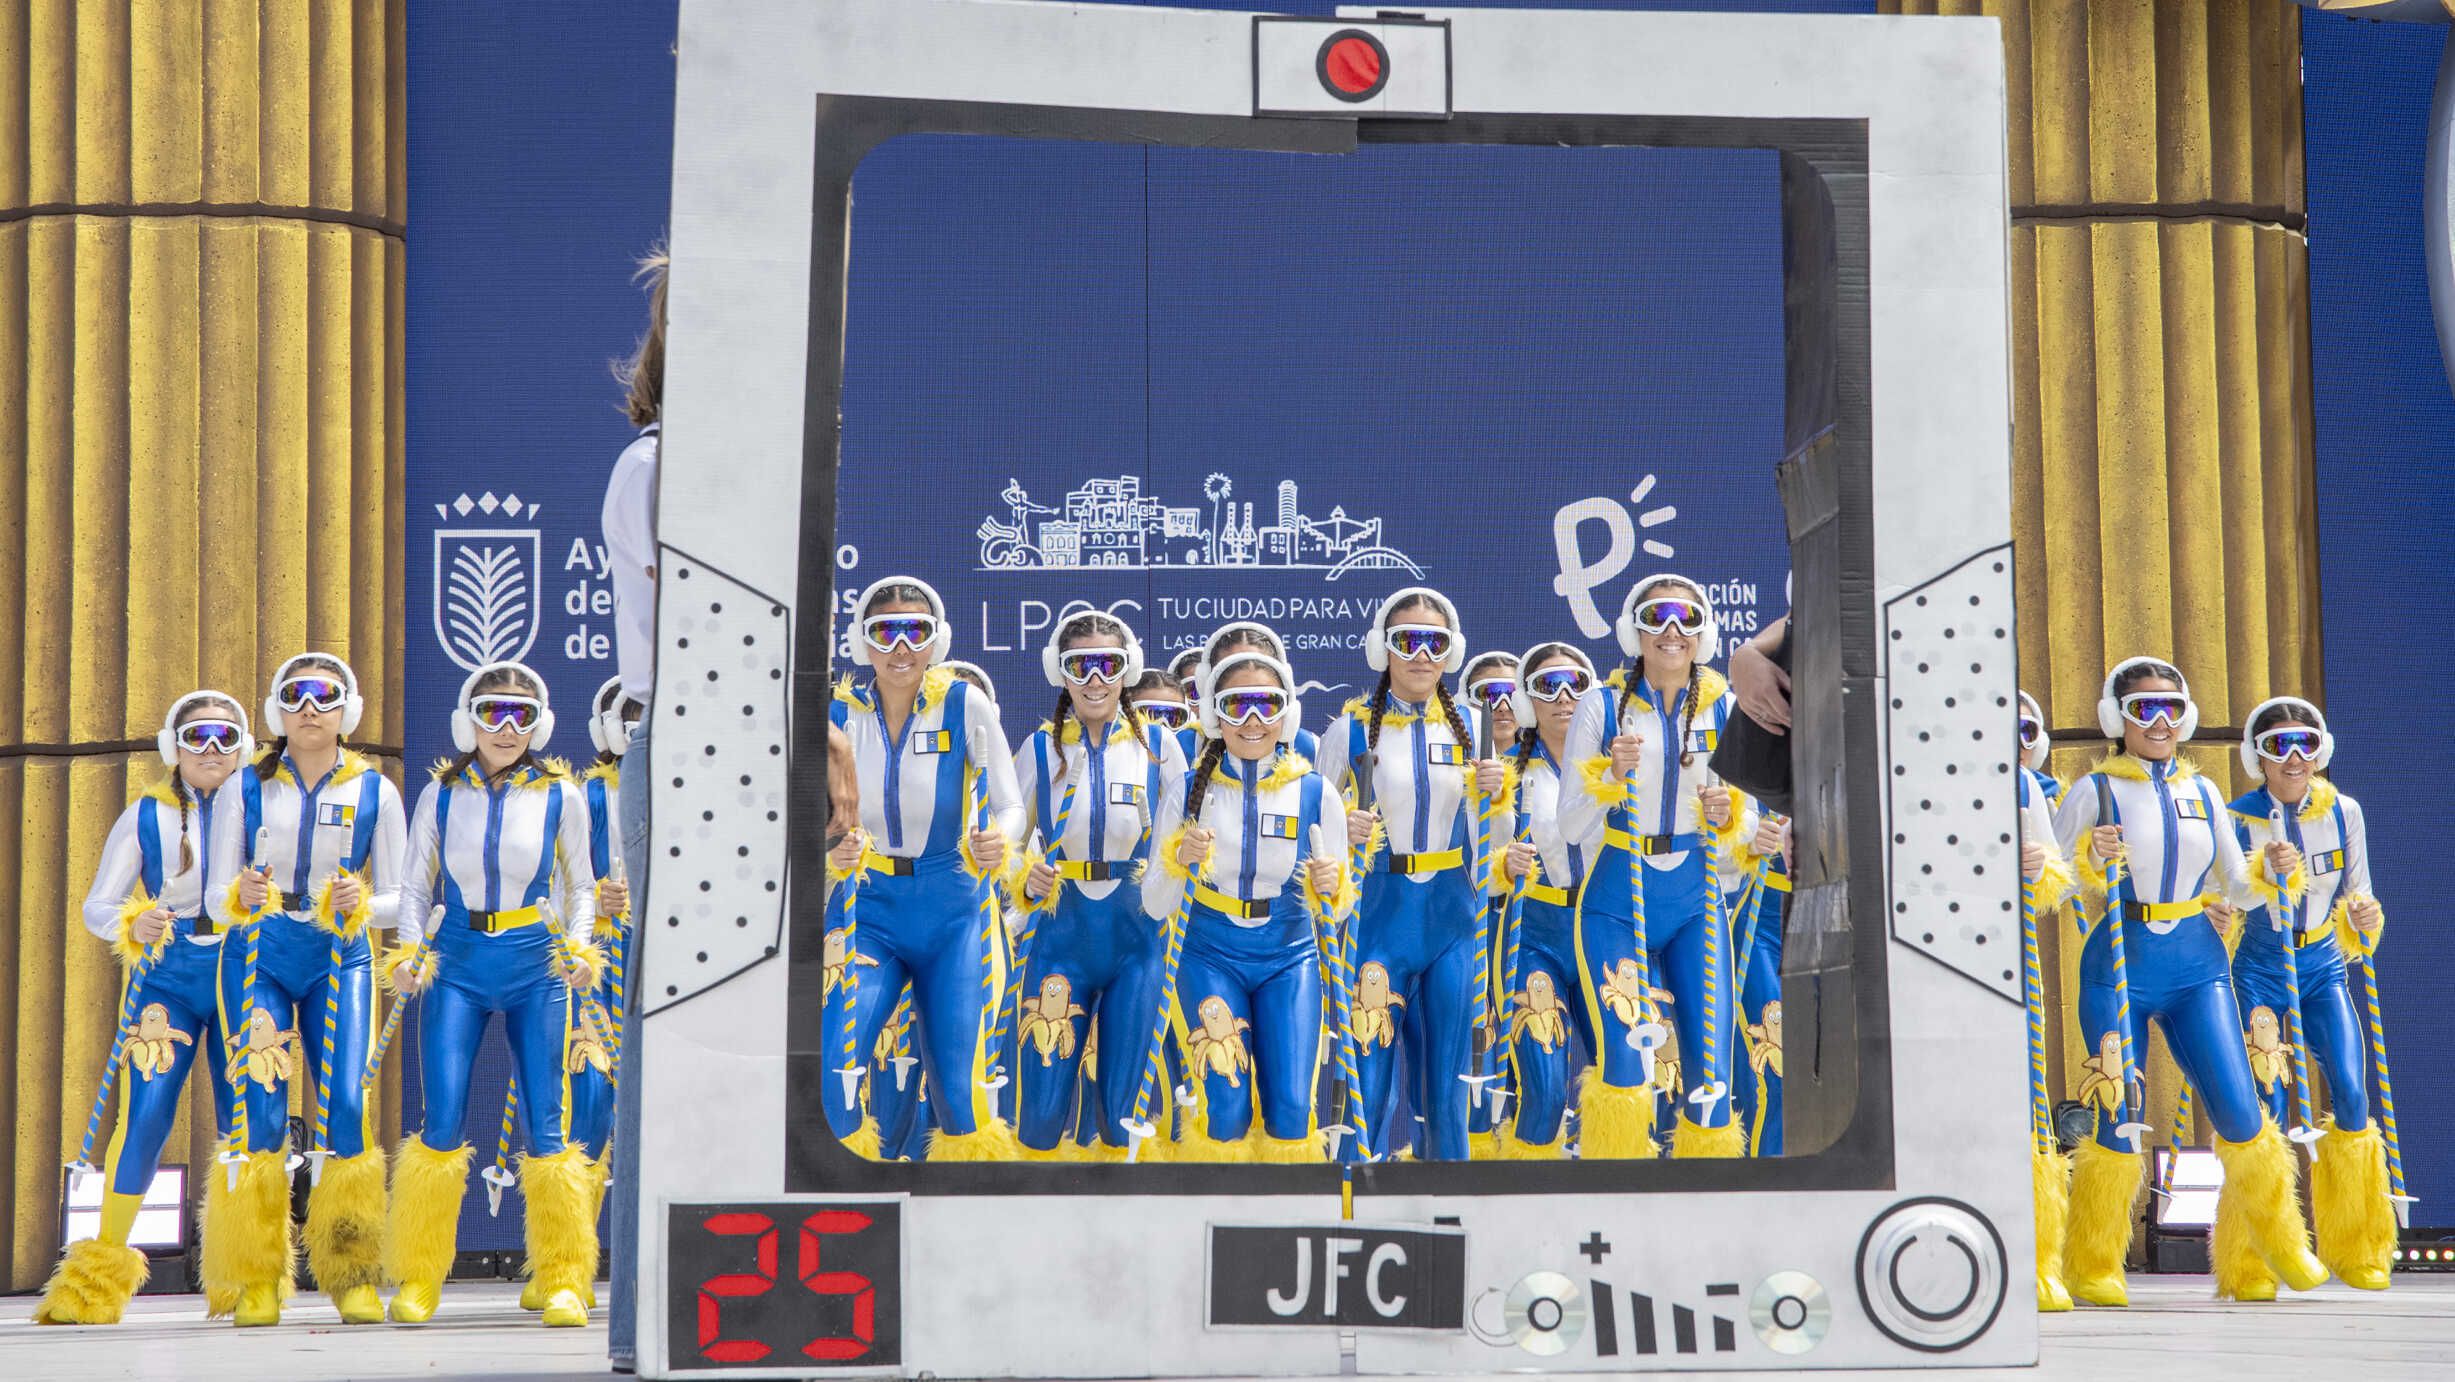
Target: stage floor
[481, 1336]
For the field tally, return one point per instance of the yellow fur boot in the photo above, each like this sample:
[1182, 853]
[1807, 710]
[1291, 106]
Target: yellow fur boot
[1691, 1142]
[423, 1229]
[345, 1234]
[863, 1141]
[257, 1257]
[2258, 1208]
[2050, 1191]
[1613, 1123]
[92, 1283]
[562, 1231]
[993, 1141]
[1292, 1151]
[2348, 1198]
[1502, 1144]
[2104, 1186]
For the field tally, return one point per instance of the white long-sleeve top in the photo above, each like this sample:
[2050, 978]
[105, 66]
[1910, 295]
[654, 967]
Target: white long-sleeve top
[912, 788]
[1258, 826]
[2332, 833]
[2176, 833]
[1662, 795]
[1419, 774]
[310, 830]
[185, 891]
[1539, 793]
[1107, 790]
[504, 847]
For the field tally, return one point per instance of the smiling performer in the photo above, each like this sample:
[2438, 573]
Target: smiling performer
[501, 844]
[2145, 823]
[1640, 755]
[1245, 636]
[1430, 823]
[2298, 956]
[1091, 781]
[326, 870]
[925, 911]
[150, 902]
[1542, 985]
[1240, 867]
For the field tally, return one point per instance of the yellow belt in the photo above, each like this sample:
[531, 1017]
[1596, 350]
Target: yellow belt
[1545, 892]
[1778, 882]
[1218, 901]
[2313, 936]
[1085, 870]
[495, 923]
[2163, 911]
[1426, 863]
[1645, 845]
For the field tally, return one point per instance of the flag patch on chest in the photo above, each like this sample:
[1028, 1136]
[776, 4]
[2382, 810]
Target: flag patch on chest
[2328, 862]
[1278, 827]
[1702, 741]
[336, 813]
[934, 741]
[2190, 809]
[1125, 794]
[1445, 755]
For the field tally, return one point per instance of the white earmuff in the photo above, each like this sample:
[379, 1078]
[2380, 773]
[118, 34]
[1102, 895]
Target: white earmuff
[987, 687]
[2304, 711]
[2034, 757]
[606, 727]
[464, 724]
[937, 610]
[1199, 678]
[168, 739]
[1708, 643]
[351, 709]
[1376, 644]
[2110, 707]
[1052, 663]
[1289, 723]
[1521, 701]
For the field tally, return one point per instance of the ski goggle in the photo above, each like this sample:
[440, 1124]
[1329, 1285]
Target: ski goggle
[2030, 732]
[312, 692]
[1082, 664]
[1494, 692]
[1415, 642]
[1165, 714]
[914, 631]
[2277, 745]
[1556, 683]
[1670, 611]
[211, 736]
[506, 712]
[2145, 708]
[1244, 704]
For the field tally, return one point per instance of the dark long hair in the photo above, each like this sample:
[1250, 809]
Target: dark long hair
[1092, 623]
[643, 375]
[1696, 670]
[1440, 689]
[1212, 753]
[500, 679]
[279, 744]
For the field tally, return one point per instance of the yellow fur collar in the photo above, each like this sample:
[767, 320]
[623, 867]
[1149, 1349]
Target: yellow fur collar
[1710, 684]
[863, 698]
[537, 772]
[165, 792]
[2131, 769]
[608, 773]
[1290, 767]
[350, 766]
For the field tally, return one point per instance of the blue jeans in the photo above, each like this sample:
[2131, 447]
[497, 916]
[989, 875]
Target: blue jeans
[622, 1230]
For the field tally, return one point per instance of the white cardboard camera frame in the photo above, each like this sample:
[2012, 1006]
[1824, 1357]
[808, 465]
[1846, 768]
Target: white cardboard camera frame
[1927, 101]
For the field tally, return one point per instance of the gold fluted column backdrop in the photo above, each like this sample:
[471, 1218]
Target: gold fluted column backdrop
[200, 455]
[2162, 474]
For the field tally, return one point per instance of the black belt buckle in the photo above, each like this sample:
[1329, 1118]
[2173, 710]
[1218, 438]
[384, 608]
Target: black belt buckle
[200, 926]
[280, 901]
[1651, 845]
[483, 923]
[1093, 871]
[1251, 909]
[896, 866]
[1409, 864]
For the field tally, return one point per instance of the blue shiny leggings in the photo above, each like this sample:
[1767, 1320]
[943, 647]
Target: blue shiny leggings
[293, 990]
[1539, 1056]
[924, 929]
[1681, 962]
[1757, 1092]
[2179, 980]
[1421, 935]
[2331, 1025]
[1098, 955]
[1249, 998]
[476, 976]
[592, 1090]
[181, 984]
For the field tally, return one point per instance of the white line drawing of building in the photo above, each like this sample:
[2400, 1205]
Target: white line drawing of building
[1110, 522]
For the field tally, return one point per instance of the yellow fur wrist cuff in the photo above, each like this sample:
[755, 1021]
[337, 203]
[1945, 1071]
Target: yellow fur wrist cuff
[1601, 783]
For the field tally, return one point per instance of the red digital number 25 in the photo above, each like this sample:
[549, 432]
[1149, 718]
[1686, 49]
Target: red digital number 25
[820, 1282]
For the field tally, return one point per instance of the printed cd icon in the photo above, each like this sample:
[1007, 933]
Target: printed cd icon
[1544, 1313]
[1789, 1312]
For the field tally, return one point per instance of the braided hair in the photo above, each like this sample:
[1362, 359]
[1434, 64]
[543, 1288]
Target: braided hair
[1380, 691]
[1696, 672]
[196, 707]
[500, 679]
[1213, 751]
[1092, 622]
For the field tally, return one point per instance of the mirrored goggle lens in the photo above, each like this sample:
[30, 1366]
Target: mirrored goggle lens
[1656, 615]
[912, 630]
[1412, 642]
[2280, 744]
[1553, 683]
[513, 712]
[2030, 732]
[1494, 693]
[318, 693]
[209, 736]
[2149, 707]
[1107, 664]
[1250, 703]
[1166, 714]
